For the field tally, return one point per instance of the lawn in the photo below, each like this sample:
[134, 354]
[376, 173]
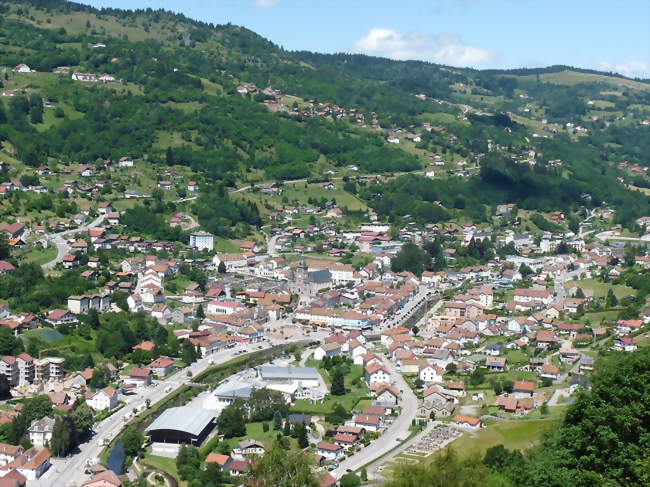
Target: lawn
[255, 431]
[600, 289]
[164, 464]
[41, 256]
[357, 391]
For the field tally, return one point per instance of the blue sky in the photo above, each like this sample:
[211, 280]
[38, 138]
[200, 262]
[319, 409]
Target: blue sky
[599, 34]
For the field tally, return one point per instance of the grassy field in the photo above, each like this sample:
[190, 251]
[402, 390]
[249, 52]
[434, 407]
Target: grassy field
[516, 434]
[41, 256]
[224, 245]
[573, 77]
[299, 193]
[600, 289]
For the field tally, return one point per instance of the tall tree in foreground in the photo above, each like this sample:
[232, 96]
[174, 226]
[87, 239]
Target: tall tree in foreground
[279, 467]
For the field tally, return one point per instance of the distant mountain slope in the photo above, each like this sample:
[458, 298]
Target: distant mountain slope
[235, 108]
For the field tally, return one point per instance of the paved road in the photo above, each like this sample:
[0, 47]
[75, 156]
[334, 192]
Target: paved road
[393, 435]
[62, 246]
[270, 245]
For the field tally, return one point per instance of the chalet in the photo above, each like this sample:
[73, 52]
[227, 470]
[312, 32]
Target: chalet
[246, 448]
[60, 316]
[549, 371]
[330, 451]
[496, 363]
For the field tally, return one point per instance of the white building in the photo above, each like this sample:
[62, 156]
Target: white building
[202, 241]
[40, 431]
[104, 400]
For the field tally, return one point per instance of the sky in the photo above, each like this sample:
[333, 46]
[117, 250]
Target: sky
[597, 34]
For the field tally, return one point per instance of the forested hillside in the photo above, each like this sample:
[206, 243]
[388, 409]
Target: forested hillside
[234, 109]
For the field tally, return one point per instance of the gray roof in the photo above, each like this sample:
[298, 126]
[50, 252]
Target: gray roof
[238, 388]
[289, 373]
[191, 420]
[320, 276]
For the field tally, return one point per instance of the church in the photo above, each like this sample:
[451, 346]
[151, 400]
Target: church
[306, 283]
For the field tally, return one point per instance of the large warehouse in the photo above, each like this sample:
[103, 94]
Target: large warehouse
[185, 424]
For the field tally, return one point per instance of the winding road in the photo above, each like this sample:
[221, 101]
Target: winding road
[62, 247]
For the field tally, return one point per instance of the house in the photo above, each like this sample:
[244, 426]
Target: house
[468, 422]
[431, 373]
[367, 421]
[386, 394]
[549, 371]
[376, 373]
[32, 464]
[105, 478]
[22, 68]
[8, 453]
[248, 447]
[192, 186]
[13, 479]
[330, 451]
[162, 366]
[327, 350]
[103, 400]
[6, 267]
[81, 379]
[60, 316]
[222, 461]
[496, 363]
[40, 431]
[69, 261]
[139, 377]
[625, 344]
[125, 162]
[523, 389]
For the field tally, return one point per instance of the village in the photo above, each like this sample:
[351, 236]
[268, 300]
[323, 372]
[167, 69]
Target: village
[448, 352]
[175, 309]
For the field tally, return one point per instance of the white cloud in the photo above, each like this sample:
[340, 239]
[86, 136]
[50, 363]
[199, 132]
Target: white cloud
[446, 48]
[265, 3]
[631, 69]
